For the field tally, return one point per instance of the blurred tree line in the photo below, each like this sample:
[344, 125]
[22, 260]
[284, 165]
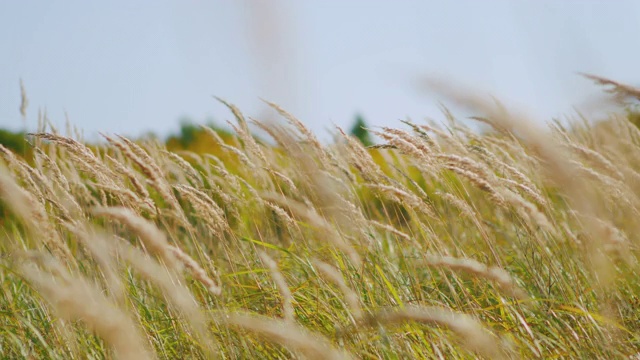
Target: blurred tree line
[190, 136]
[14, 141]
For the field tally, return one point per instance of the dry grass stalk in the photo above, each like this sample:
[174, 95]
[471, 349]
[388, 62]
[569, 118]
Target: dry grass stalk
[236, 113]
[204, 197]
[328, 158]
[404, 146]
[68, 337]
[206, 207]
[531, 211]
[621, 91]
[78, 164]
[478, 181]
[325, 157]
[504, 169]
[141, 153]
[312, 217]
[275, 131]
[281, 284]
[195, 157]
[513, 151]
[229, 199]
[153, 239]
[473, 335]
[127, 197]
[292, 336]
[252, 191]
[24, 100]
[82, 194]
[241, 155]
[175, 292]
[323, 189]
[197, 271]
[45, 185]
[291, 223]
[454, 144]
[558, 168]
[137, 185]
[227, 176]
[21, 170]
[598, 159]
[350, 297]
[216, 160]
[34, 215]
[214, 135]
[355, 212]
[342, 165]
[248, 142]
[528, 131]
[476, 172]
[494, 274]
[64, 196]
[617, 189]
[244, 132]
[493, 124]
[415, 141]
[424, 136]
[74, 298]
[403, 196]
[629, 131]
[184, 166]
[48, 163]
[10, 157]
[101, 251]
[149, 168]
[468, 211]
[392, 230]
[464, 207]
[225, 184]
[467, 164]
[83, 154]
[291, 186]
[62, 211]
[36, 184]
[360, 158]
[535, 195]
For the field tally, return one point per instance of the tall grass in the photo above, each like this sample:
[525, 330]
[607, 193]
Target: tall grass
[439, 243]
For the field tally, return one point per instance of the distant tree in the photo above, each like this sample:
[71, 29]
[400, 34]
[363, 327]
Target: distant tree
[359, 130]
[190, 136]
[187, 133]
[13, 140]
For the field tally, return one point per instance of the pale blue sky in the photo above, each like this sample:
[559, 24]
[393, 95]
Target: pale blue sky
[128, 67]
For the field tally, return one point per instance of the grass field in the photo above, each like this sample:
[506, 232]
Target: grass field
[521, 242]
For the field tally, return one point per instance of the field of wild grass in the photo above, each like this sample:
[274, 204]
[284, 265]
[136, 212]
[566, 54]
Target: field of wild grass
[440, 242]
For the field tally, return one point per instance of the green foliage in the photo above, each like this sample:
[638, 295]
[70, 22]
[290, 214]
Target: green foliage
[187, 133]
[190, 132]
[14, 141]
[359, 130]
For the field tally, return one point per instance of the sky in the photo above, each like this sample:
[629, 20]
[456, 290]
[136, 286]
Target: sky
[131, 67]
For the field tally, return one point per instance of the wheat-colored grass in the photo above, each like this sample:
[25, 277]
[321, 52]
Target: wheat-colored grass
[518, 242]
